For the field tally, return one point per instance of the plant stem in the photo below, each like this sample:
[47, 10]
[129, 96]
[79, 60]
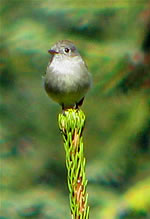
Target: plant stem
[71, 124]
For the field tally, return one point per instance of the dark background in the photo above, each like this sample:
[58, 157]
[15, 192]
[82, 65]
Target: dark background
[114, 40]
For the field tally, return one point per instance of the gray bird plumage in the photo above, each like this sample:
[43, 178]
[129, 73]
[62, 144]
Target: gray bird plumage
[67, 79]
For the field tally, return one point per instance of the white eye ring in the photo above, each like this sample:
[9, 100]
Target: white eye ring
[66, 50]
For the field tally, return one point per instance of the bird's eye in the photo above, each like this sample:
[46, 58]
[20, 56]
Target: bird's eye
[67, 50]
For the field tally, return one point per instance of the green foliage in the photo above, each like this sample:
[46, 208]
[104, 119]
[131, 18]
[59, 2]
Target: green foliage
[113, 38]
[71, 124]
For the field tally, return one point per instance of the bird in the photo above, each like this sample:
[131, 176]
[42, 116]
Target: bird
[67, 79]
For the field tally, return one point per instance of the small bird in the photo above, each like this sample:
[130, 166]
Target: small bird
[67, 78]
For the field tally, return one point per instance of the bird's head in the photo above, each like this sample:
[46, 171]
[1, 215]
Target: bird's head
[64, 48]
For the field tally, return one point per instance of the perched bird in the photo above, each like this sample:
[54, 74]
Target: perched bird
[67, 78]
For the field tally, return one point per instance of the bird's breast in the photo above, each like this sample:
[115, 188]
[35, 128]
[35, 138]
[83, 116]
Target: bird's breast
[67, 77]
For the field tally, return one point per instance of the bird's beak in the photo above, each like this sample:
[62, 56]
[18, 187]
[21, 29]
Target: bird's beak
[52, 51]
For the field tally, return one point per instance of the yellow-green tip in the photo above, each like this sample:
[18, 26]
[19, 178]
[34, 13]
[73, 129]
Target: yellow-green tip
[71, 118]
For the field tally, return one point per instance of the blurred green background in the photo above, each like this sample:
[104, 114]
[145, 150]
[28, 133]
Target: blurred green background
[114, 40]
